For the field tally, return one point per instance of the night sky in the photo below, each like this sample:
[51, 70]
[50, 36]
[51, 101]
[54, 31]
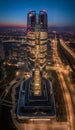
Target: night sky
[60, 12]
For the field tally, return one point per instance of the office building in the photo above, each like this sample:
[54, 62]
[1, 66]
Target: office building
[36, 97]
[37, 29]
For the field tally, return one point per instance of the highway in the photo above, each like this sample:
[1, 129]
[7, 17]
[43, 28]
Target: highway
[67, 97]
[11, 37]
[33, 125]
[68, 101]
[44, 125]
[67, 48]
[13, 40]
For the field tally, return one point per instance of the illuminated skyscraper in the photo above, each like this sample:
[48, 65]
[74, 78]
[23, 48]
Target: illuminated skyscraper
[36, 98]
[31, 20]
[37, 29]
[43, 20]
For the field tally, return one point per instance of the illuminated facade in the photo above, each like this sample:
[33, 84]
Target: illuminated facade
[37, 30]
[43, 20]
[36, 98]
[31, 20]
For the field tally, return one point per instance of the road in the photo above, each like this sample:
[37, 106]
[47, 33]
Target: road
[11, 84]
[66, 93]
[67, 101]
[67, 48]
[13, 40]
[45, 125]
[33, 125]
[42, 126]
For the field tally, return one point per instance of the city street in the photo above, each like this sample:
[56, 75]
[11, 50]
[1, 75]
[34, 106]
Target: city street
[60, 71]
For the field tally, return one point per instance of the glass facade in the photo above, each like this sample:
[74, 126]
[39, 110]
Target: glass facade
[37, 34]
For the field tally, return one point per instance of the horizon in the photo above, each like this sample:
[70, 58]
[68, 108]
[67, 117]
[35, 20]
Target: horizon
[60, 13]
[25, 25]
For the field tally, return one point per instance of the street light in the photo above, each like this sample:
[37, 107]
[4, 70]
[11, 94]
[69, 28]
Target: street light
[17, 73]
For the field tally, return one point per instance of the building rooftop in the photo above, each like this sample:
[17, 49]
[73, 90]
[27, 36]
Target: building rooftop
[30, 105]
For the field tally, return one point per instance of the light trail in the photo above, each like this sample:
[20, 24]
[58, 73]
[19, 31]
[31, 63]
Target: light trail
[67, 48]
[60, 71]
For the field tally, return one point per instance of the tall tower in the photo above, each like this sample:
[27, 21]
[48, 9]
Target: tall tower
[43, 20]
[37, 45]
[37, 23]
[43, 38]
[31, 20]
[36, 98]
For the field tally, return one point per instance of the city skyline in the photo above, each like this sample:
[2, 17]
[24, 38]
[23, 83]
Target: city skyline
[37, 74]
[61, 12]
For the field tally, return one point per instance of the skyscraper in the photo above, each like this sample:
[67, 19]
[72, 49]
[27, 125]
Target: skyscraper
[43, 20]
[31, 20]
[36, 98]
[37, 29]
